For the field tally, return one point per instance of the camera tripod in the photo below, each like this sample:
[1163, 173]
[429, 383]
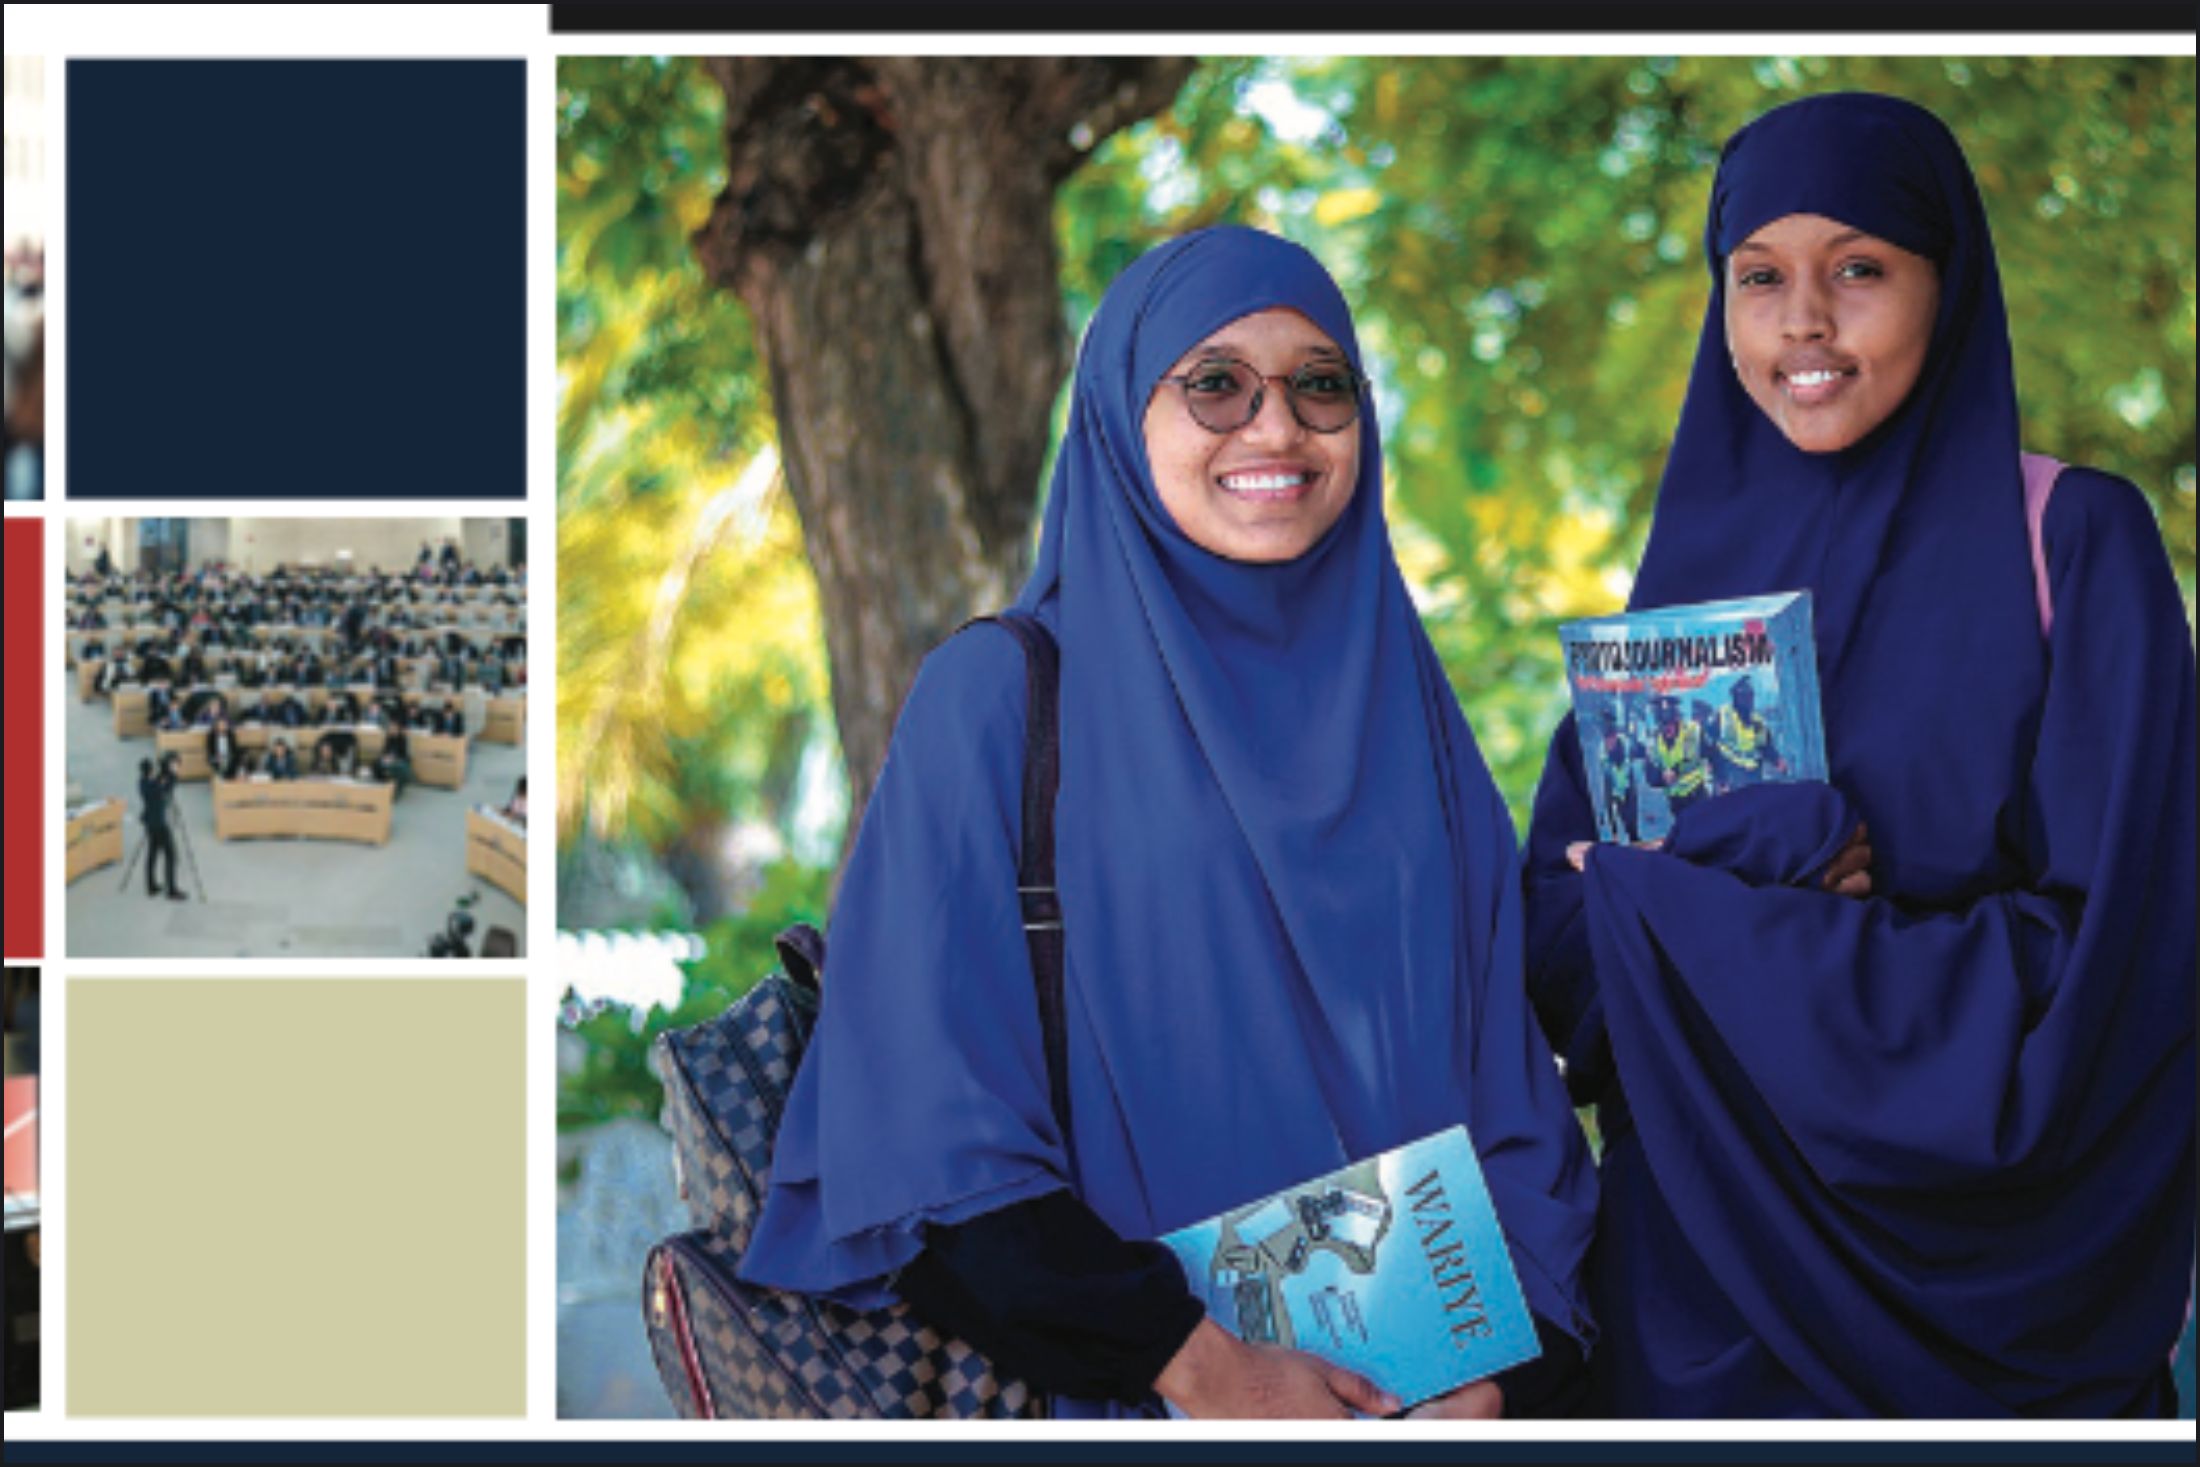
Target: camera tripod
[190, 856]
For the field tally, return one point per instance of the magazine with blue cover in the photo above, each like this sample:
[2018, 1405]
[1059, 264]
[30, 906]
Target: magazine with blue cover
[1394, 1267]
[1684, 703]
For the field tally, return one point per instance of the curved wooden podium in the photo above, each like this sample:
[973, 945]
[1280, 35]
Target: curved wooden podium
[496, 851]
[95, 838]
[310, 809]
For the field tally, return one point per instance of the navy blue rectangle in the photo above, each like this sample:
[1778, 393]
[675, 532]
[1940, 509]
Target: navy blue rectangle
[296, 279]
[1956, 17]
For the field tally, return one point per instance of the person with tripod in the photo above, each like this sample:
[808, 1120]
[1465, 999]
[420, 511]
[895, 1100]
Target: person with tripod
[156, 797]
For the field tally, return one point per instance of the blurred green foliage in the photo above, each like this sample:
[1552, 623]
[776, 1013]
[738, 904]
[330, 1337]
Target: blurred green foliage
[691, 664]
[1520, 239]
[614, 1078]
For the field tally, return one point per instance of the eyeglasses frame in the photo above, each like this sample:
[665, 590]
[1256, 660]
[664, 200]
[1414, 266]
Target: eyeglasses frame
[1260, 394]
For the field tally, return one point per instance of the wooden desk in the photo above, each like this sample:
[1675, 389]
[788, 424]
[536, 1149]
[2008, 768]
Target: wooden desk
[87, 673]
[113, 637]
[120, 636]
[312, 809]
[131, 718]
[269, 631]
[438, 759]
[507, 721]
[95, 838]
[497, 853]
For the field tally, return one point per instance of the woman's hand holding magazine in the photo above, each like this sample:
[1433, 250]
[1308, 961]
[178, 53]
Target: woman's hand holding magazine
[1776, 834]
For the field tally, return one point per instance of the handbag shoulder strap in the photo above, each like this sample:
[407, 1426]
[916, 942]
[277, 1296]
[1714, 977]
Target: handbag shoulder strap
[2040, 474]
[1042, 904]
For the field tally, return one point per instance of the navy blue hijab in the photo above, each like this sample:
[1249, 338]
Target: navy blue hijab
[1931, 1153]
[1913, 540]
[1289, 885]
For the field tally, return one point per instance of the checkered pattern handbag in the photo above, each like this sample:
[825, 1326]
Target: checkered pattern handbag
[725, 1348]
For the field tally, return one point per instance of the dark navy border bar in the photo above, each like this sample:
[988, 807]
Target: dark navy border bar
[749, 17]
[1143, 1450]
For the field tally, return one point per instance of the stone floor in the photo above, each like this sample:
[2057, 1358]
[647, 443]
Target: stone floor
[620, 1201]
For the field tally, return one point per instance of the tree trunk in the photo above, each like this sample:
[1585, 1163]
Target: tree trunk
[696, 858]
[889, 224]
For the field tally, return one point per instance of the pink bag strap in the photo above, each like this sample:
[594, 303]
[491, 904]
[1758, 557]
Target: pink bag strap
[2040, 473]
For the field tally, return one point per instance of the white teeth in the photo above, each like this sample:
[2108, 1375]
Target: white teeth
[1812, 379]
[1263, 483]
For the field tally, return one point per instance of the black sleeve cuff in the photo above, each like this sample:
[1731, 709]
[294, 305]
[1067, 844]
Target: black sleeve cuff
[1048, 1292]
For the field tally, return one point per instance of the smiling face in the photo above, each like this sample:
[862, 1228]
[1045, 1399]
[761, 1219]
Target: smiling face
[1268, 491]
[1828, 326]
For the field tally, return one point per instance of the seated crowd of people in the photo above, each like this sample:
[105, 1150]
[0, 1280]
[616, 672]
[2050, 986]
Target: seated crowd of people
[335, 745]
[374, 637]
[466, 629]
[382, 660]
[298, 596]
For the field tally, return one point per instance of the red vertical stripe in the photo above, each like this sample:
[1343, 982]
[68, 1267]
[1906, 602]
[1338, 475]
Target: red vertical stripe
[25, 740]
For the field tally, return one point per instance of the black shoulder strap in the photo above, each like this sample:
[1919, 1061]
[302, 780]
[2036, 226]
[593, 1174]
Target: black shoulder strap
[1042, 905]
[802, 949]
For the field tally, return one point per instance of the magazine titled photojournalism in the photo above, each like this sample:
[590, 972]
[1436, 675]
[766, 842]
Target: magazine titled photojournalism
[1394, 1267]
[1685, 703]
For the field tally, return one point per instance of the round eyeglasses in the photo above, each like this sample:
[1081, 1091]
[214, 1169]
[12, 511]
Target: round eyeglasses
[1223, 394]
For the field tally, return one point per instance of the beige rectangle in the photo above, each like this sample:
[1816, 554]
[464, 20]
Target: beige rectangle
[297, 1198]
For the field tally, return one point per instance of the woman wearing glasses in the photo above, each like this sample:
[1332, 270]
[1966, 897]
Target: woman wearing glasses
[1900, 1128]
[1292, 925]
